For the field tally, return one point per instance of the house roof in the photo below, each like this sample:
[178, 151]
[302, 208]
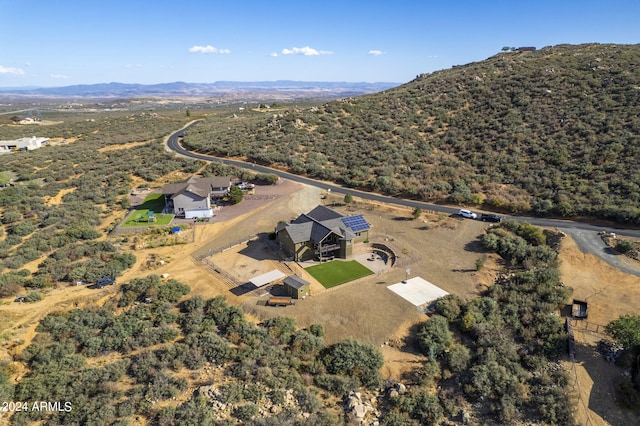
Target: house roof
[322, 213]
[320, 222]
[295, 282]
[299, 232]
[202, 187]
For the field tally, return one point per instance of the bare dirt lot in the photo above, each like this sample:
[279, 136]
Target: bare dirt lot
[440, 249]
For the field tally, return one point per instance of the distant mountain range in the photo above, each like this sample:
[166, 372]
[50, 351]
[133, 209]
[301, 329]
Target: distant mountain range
[305, 89]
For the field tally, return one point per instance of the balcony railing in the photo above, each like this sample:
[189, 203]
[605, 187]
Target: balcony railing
[327, 248]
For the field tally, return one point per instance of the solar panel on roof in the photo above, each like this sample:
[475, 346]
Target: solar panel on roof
[356, 223]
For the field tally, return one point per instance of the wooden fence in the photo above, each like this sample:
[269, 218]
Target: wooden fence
[584, 325]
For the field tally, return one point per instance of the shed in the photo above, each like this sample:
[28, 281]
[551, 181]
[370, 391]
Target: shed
[579, 309]
[296, 287]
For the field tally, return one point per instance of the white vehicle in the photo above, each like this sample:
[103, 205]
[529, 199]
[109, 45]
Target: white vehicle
[468, 214]
[245, 186]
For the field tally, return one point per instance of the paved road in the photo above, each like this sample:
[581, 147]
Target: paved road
[585, 234]
[590, 242]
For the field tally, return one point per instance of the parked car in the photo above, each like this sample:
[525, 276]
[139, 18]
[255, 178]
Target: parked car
[491, 218]
[468, 214]
[246, 186]
[105, 281]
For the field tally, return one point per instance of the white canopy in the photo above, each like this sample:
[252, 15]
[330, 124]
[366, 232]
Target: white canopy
[263, 279]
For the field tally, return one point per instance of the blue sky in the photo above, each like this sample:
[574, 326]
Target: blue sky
[65, 42]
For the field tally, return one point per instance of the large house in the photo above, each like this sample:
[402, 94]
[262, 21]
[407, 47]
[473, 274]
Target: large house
[322, 234]
[192, 198]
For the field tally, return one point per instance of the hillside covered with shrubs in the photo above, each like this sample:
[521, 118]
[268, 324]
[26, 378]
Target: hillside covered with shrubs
[554, 132]
[66, 197]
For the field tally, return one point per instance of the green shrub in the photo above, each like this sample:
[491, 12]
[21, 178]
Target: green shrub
[33, 296]
[235, 195]
[434, 336]
[421, 406]
[416, 213]
[479, 263]
[624, 246]
[317, 330]
[625, 330]
[354, 359]
[336, 384]
[458, 358]
[267, 179]
[245, 412]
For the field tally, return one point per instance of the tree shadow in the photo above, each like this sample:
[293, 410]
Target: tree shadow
[156, 205]
[402, 218]
[410, 342]
[611, 251]
[278, 290]
[464, 270]
[476, 246]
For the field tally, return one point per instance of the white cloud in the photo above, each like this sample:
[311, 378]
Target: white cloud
[208, 49]
[59, 76]
[11, 70]
[274, 54]
[376, 52]
[306, 51]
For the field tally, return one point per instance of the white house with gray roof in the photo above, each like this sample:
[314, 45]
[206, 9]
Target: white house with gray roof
[22, 144]
[192, 198]
[322, 234]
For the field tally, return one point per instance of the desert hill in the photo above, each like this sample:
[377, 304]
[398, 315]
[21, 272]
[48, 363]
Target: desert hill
[552, 132]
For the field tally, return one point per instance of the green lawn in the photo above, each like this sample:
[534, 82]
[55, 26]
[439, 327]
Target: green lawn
[338, 272]
[154, 203]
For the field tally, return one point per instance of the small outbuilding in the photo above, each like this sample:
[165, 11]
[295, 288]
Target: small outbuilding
[579, 309]
[296, 287]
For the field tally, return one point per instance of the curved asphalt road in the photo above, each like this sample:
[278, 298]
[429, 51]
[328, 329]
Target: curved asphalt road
[585, 234]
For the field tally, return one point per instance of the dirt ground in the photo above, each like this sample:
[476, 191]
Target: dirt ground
[438, 248]
[610, 293]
